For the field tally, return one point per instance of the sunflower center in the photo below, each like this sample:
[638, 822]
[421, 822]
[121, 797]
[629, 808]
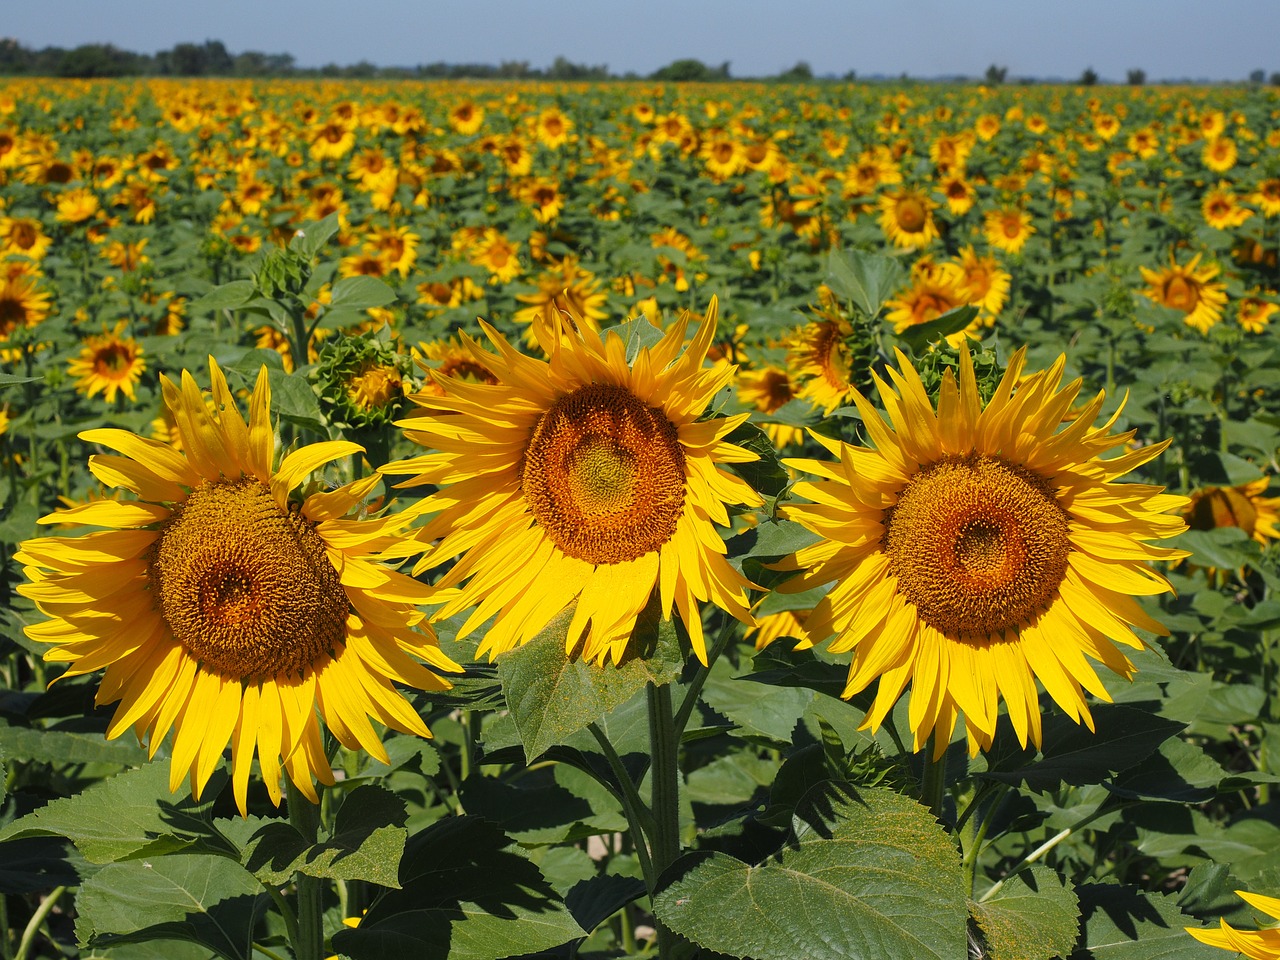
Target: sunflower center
[604, 475]
[910, 215]
[112, 360]
[978, 544]
[1181, 293]
[246, 587]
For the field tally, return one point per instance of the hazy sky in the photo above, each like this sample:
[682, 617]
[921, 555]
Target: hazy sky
[1224, 39]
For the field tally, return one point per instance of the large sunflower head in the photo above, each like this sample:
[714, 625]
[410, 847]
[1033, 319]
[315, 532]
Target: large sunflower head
[975, 550]
[581, 480]
[906, 216]
[224, 609]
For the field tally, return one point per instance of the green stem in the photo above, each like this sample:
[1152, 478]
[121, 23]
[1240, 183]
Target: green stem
[286, 912]
[309, 943]
[690, 700]
[933, 782]
[638, 816]
[664, 782]
[270, 954]
[37, 918]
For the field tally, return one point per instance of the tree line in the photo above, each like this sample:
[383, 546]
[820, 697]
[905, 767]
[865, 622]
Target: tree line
[212, 59]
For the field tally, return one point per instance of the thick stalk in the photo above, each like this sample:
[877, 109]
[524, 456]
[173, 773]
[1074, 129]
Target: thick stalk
[933, 781]
[309, 942]
[664, 781]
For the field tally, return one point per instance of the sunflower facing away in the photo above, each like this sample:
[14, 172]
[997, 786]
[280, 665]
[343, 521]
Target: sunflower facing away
[976, 550]
[581, 479]
[223, 611]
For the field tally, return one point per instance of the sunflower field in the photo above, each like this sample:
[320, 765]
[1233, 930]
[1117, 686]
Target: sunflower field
[785, 522]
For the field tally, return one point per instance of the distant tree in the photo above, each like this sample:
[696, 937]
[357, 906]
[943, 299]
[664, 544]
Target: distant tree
[996, 75]
[1089, 77]
[515, 69]
[1136, 77]
[564, 69]
[688, 70]
[1258, 77]
[362, 70]
[851, 76]
[99, 60]
[800, 73]
[1274, 79]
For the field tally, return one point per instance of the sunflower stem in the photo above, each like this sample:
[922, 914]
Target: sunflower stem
[933, 782]
[690, 700]
[664, 782]
[36, 921]
[309, 941]
[639, 819]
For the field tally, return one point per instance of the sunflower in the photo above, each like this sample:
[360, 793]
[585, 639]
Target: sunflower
[1219, 154]
[769, 389]
[109, 363]
[959, 193]
[498, 255]
[22, 304]
[985, 285]
[583, 482]
[1221, 208]
[932, 293]
[819, 359]
[975, 550]
[466, 118]
[23, 236]
[1254, 314]
[78, 205]
[1267, 196]
[906, 217]
[553, 128]
[571, 287]
[1252, 944]
[1190, 289]
[1007, 228]
[1242, 506]
[224, 611]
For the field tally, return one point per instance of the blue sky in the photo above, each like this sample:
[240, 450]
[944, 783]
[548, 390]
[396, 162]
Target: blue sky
[1222, 40]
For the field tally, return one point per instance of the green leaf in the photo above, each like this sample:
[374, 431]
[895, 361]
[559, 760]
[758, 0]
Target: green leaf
[1036, 916]
[1072, 753]
[1226, 548]
[8, 379]
[552, 697]
[132, 814]
[201, 899]
[1125, 923]
[919, 336]
[766, 475]
[367, 842]
[293, 399]
[226, 296]
[68, 746]
[637, 334]
[468, 893]
[757, 710]
[310, 238]
[360, 293]
[868, 279]
[882, 881]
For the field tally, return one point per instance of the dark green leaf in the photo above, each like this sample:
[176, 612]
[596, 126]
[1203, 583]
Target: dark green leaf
[1035, 916]
[227, 296]
[360, 293]
[310, 238]
[868, 279]
[552, 697]
[201, 899]
[8, 379]
[884, 881]
[1072, 753]
[1124, 923]
[637, 334]
[129, 815]
[468, 893]
[367, 842]
[1226, 548]
[68, 746]
[918, 336]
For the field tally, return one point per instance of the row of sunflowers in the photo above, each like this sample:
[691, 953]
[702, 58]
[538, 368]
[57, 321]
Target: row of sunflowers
[613, 623]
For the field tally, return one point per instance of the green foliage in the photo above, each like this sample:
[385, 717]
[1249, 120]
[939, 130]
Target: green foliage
[876, 876]
[1034, 917]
